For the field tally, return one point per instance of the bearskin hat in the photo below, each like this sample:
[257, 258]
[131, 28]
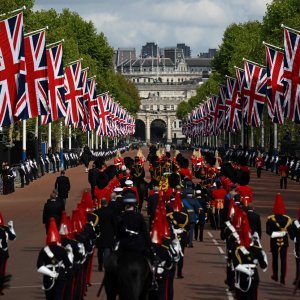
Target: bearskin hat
[184, 163]
[129, 162]
[99, 162]
[243, 178]
[102, 180]
[174, 180]
[111, 172]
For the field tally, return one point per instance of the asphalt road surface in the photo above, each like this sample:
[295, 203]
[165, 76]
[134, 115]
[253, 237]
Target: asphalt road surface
[204, 265]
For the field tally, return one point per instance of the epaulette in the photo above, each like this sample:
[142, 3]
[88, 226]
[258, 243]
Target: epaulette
[270, 217]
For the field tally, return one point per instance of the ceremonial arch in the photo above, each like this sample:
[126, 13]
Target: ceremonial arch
[158, 131]
[140, 130]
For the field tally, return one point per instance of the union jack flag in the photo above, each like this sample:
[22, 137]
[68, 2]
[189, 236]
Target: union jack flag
[275, 87]
[103, 127]
[254, 93]
[240, 76]
[56, 90]
[84, 102]
[221, 122]
[233, 105]
[291, 75]
[74, 95]
[11, 52]
[33, 81]
[93, 118]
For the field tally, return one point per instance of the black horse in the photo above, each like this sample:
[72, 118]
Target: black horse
[128, 276]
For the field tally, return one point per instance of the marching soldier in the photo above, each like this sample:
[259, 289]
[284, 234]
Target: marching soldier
[245, 260]
[7, 232]
[54, 263]
[259, 163]
[218, 196]
[277, 227]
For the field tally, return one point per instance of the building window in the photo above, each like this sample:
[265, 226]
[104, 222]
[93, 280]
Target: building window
[174, 135]
[137, 80]
[174, 124]
[148, 79]
[180, 124]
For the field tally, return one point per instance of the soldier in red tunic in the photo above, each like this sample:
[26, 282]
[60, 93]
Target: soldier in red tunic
[218, 196]
[259, 163]
[118, 160]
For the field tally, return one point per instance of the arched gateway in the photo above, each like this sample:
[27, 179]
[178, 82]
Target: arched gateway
[158, 131]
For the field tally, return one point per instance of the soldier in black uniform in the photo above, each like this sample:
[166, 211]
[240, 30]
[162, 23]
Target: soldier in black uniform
[6, 233]
[53, 262]
[295, 236]
[107, 238]
[254, 220]
[76, 254]
[277, 227]
[245, 260]
[52, 208]
[180, 222]
[137, 173]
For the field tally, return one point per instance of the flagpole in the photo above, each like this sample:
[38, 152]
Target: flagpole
[49, 135]
[291, 29]
[61, 150]
[70, 137]
[106, 142]
[24, 140]
[101, 142]
[13, 11]
[96, 141]
[229, 139]
[253, 62]
[272, 46]
[92, 142]
[36, 31]
[275, 136]
[252, 137]
[55, 43]
[73, 62]
[262, 132]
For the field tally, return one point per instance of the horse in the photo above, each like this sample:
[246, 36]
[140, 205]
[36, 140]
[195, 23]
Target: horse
[128, 276]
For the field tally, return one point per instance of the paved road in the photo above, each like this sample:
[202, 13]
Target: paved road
[204, 269]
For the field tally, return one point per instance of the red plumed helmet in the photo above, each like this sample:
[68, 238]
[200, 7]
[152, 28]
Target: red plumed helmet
[64, 230]
[82, 213]
[76, 221]
[245, 232]
[279, 208]
[157, 231]
[1, 220]
[53, 237]
[177, 205]
[87, 201]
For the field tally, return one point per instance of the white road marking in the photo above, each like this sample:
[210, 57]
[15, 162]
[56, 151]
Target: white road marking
[221, 250]
[215, 241]
[39, 286]
[210, 234]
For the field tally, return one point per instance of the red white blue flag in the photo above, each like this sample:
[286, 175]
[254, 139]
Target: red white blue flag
[11, 52]
[74, 95]
[255, 89]
[56, 90]
[275, 87]
[33, 81]
[291, 75]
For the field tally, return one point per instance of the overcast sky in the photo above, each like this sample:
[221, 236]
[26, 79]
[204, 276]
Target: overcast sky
[131, 23]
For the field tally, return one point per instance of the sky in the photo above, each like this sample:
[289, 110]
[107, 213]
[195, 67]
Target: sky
[199, 24]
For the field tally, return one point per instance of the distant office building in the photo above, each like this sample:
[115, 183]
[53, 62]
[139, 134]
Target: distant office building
[125, 54]
[149, 50]
[175, 54]
[186, 50]
[210, 54]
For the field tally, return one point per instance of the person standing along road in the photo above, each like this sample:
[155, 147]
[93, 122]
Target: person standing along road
[6, 233]
[62, 186]
[283, 172]
[259, 163]
[277, 227]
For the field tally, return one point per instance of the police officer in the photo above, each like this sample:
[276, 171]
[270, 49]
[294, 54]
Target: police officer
[277, 227]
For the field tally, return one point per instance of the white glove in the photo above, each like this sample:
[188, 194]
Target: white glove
[45, 271]
[10, 225]
[244, 270]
